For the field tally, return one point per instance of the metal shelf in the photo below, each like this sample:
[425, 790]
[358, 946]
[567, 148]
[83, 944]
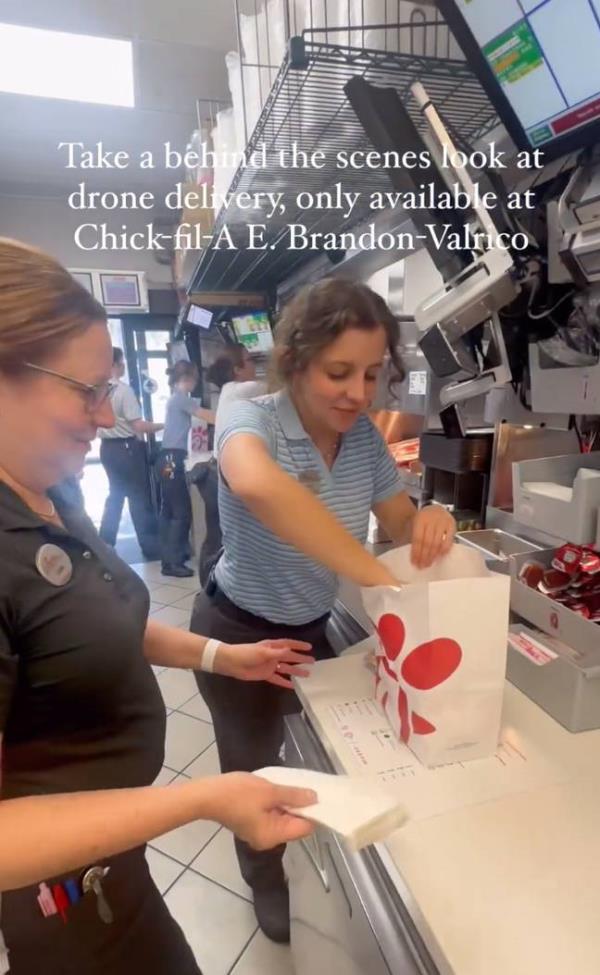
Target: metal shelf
[307, 105]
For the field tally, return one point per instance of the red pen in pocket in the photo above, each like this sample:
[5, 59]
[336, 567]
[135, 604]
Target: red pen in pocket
[61, 900]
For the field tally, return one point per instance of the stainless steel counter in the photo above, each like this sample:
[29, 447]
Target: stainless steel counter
[347, 915]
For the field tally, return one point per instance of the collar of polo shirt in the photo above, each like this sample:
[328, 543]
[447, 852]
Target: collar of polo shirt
[288, 417]
[15, 515]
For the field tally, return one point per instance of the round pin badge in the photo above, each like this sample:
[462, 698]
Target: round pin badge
[54, 565]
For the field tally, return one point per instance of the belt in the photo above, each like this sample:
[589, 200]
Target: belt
[219, 598]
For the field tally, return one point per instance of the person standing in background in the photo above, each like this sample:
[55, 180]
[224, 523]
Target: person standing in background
[123, 456]
[234, 373]
[176, 508]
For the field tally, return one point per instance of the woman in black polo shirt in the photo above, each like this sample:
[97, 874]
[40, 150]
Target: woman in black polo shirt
[81, 715]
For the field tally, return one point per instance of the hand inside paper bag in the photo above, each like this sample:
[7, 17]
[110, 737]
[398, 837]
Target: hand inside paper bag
[433, 534]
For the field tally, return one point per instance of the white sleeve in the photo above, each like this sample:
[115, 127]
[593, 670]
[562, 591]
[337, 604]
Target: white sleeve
[248, 390]
[130, 408]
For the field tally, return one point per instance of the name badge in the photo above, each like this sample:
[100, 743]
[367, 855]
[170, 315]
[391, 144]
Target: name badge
[54, 565]
[311, 479]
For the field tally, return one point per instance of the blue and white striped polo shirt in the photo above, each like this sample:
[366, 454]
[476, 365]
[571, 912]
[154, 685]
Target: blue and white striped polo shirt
[259, 572]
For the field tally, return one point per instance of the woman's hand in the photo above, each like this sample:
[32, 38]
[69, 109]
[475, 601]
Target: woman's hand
[433, 534]
[274, 661]
[254, 809]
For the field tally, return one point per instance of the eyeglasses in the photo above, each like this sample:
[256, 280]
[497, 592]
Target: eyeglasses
[95, 395]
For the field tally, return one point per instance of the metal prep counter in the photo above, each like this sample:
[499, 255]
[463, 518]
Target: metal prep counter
[494, 874]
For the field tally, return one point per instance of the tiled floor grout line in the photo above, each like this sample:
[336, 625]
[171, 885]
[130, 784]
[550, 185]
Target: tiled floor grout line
[188, 866]
[188, 701]
[185, 714]
[167, 855]
[179, 709]
[185, 868]
[247, 900]
[244, 950]
[177, 878]
[201, 753]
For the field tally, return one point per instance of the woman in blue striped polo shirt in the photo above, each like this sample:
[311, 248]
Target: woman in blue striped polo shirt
[300, 472]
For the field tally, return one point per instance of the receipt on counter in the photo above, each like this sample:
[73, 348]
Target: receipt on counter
[360, 809]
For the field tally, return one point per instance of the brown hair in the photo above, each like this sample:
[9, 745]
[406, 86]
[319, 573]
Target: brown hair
[41, 306]
[318, 315]
[223, 369]
[182, 370]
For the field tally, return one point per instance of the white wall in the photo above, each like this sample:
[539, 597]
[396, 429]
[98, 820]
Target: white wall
[179, 56]
[50, 224]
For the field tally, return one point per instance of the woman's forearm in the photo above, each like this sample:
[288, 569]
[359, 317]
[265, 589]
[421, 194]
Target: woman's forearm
[292, 513]
[209, 416]
[44, 836]
[168, 646]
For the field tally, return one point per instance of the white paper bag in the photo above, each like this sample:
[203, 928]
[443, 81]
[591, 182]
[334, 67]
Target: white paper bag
[441, 662]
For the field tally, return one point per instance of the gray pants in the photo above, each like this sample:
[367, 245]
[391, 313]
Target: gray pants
[248, 716]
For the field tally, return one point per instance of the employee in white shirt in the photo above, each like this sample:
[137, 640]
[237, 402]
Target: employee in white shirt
[123, 457]
[234, 373]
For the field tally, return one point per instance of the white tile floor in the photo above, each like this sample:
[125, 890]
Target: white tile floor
[195, 866]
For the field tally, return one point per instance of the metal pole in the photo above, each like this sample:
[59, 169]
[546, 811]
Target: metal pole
[243, 87]
[286, 20]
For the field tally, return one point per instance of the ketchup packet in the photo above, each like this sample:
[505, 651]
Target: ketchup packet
[590, 562]
[568, 558]
[553, 581]
[531, 574]
[579, 607]
[592, 601]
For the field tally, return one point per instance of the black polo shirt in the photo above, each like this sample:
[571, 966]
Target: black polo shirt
[79, 704]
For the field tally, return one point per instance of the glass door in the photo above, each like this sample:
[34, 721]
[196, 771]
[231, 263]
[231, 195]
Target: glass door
[115, 327]
[148, 348]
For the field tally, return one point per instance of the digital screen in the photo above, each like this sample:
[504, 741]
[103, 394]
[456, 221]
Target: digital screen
[202, 317]
[254, 331]
[545, 56]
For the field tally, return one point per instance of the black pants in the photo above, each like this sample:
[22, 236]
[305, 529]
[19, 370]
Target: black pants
[248, 717]
[124, 461]
[176, 508]
[143, 938]
[205, 477]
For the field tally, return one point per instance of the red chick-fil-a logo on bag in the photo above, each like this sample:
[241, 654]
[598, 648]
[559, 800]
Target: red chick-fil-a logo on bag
[425, 667]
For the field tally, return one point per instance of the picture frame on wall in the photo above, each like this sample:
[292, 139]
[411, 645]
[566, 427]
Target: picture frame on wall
[120, 290]
[84, 278]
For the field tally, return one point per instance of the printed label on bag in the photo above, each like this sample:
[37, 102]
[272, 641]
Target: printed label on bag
[530, 648]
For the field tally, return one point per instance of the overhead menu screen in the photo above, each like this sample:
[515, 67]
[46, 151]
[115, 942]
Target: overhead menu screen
[545, 55]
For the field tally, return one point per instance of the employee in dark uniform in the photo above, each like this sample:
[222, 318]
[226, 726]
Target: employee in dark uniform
[301, 471]
[123, 456]
[81, 715]
[176, 506]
